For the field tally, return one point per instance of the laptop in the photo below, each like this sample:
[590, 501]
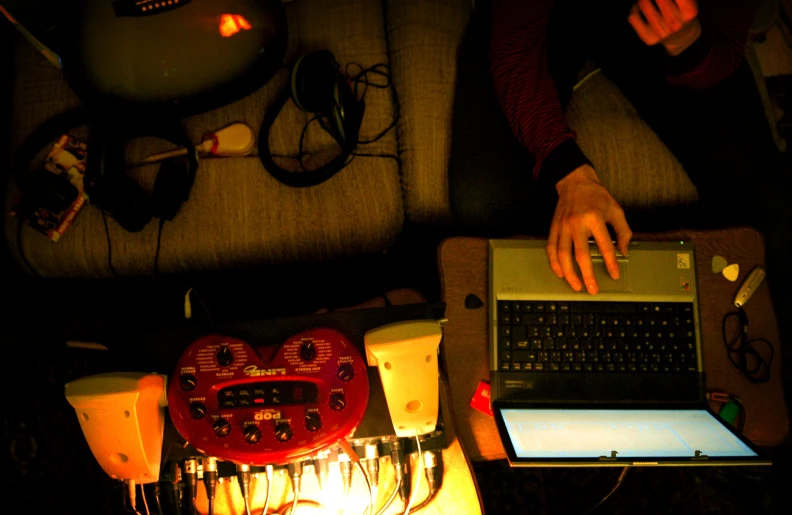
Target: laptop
[613, 379]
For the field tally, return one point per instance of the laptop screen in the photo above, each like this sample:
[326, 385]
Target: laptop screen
[587, 434]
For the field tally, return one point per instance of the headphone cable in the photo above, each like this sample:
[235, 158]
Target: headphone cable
[159, 246]
[109, 246]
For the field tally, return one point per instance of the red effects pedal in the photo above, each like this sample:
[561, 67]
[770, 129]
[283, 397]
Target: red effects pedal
[269, 404]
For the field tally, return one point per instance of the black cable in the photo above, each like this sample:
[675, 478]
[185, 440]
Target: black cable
[739, 347]
[203, 305]
[425, 502]
[109, 246]
[300, 152]
[21, 251]
[159, 245]
[619, 481]
[389, 156]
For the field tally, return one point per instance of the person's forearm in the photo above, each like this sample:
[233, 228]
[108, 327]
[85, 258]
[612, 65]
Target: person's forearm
[525, 89]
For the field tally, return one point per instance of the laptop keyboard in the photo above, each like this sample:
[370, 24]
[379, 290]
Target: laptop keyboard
[596, 337]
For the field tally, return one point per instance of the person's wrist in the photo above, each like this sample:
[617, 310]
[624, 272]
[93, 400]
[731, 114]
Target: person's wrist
[682, 40]
[585, 173]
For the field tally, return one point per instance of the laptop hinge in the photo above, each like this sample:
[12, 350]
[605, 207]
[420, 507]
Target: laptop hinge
[700, 457]
[612, 457]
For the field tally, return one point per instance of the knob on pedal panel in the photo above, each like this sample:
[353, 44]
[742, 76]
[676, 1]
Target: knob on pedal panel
[230, 403]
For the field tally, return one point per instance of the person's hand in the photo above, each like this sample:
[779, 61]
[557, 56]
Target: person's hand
[672, 23]
[584, 207]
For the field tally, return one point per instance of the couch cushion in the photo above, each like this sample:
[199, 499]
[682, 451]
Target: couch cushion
[237, 214]
[423, 38]
[619, 144]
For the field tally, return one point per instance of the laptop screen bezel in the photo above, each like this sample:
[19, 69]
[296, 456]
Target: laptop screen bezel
[515, 460]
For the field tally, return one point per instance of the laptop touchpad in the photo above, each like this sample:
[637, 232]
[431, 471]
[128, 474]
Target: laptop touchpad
[606, 283]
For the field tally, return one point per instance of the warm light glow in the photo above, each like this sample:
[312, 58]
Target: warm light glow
[230, 24]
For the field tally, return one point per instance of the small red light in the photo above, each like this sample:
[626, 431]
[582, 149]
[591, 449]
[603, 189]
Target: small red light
[231, 24]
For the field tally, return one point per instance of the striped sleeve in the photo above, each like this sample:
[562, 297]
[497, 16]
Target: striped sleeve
[720, 48]
[526, 90]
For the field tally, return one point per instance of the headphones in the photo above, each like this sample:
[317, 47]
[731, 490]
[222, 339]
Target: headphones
[317, 86]
[120, 196]
[105, 182]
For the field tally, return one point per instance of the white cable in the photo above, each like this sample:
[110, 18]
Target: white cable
[188, 305]
[143, 494]
[359, 467]
[586, 78]
[390, 499]
[420, 473]
[270, 474]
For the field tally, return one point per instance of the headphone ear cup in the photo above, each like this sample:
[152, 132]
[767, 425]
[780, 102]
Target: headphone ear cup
[125, 200]
[50, 191]
[171, 188]
[313, 79]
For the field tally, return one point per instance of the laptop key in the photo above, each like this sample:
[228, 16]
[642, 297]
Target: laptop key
[504, 342]
[621, 367]
[536, 344]
[524, 355]
[505, 366]
[505, 330]
[519, 335]
[543, 356]
[565, 367]
[631, 367]
[554, 367]
[521, 344]
[588, 367]
[577, 367]
[533, 319]
[568, 356]
[539, 307]
[643, 367]
[555, 356]
[527, 367]
[531, 331]
[527, 307]
[516, 319]
[610, 367]
[580, 356]
[538, 367]
[561, 344]
[516, 366]
[504, 306]
[505, 355]
[548, 344]
[563, 307]
[546, 331]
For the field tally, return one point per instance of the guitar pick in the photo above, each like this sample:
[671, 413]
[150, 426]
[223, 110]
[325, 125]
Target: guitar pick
[731, 272]
[718, 264]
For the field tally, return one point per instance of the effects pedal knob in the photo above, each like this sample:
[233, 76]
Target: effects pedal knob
[187, 382]
[221, 427]
[225, 357]
[197, 410]
[346, 372]
[313, 422]
[337, 401]
[252, 434]
[283, 432]
[308, 351]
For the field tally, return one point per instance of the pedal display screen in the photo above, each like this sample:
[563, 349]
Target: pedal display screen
[269, 394]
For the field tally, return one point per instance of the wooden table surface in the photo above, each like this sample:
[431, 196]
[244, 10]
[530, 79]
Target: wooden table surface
[458, 495]
[464, 269]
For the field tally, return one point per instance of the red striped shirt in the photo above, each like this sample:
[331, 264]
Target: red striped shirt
[526, 90]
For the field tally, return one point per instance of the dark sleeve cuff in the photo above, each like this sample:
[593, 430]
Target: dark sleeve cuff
[691, 57]
[561, 161]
